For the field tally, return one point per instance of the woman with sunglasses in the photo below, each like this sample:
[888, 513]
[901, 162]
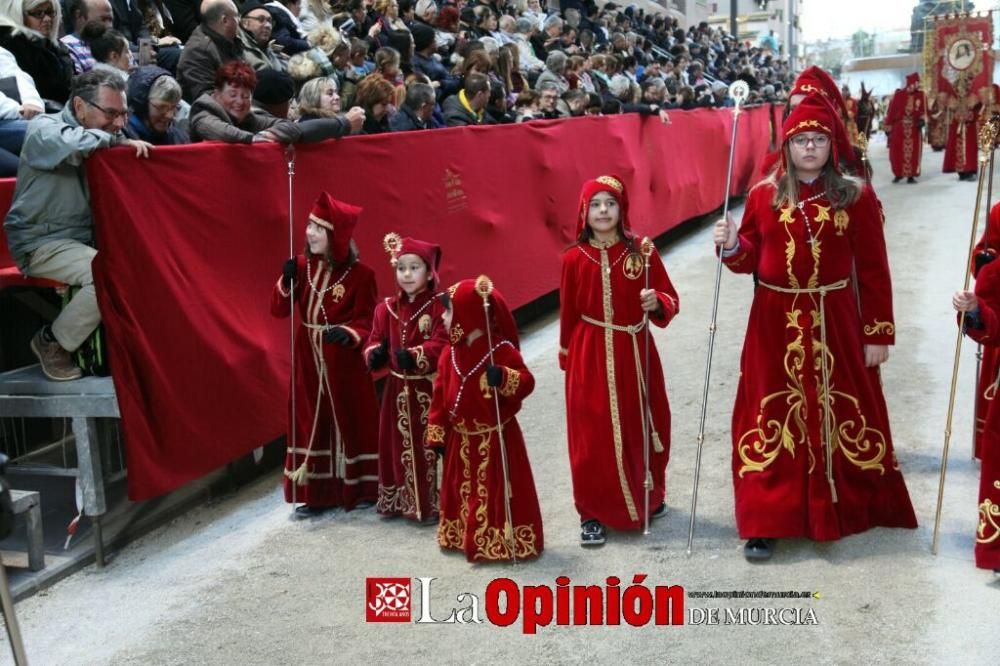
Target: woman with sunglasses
[30, 30]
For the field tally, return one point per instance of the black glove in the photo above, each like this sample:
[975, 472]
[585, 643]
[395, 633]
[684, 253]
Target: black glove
[379, 356]
[494, 375]
[983, 258]
[289, 272]
[337, 336]
[404, 359]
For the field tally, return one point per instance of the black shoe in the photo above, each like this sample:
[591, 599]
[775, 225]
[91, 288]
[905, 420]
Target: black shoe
[592, 534]
[660, 511]
[911, 180]
[307, 511]
[897, 179]
[364, 504]
[758, 550]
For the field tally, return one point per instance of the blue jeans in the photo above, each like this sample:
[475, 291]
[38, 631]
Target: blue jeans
[11, 139]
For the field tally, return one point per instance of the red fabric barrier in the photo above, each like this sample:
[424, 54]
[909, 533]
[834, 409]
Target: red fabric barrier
[192, 240]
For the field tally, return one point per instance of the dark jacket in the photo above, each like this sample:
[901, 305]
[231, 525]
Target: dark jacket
[201, 57]
[373, 126]
[185, 17]
[285, 33]
[48, 64]
[456, 115]
[406, 121]
[210, 122]
[128, 20]
[137, 127]
[435, 71]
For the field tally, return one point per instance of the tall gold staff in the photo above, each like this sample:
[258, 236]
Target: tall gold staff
[484, 287]
[393, 244]
[986, 137]
[738, 90]
[290, 157]
[646, 247]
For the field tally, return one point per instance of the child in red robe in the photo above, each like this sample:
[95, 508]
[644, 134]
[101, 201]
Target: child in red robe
[480, 374]
[332, 458]
[605, 307]
[982, 324]
[407, 337]
[812, 452]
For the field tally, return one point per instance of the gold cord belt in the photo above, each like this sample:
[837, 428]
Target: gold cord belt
[825, 398]
[632, 331]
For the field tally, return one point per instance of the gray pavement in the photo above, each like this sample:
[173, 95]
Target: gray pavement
[238, 582]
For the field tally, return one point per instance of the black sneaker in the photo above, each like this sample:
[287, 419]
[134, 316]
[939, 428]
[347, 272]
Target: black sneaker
[897, 179]
[911, 180]
[307, 511]
[758, 550]
[660, 511]
[592, 534]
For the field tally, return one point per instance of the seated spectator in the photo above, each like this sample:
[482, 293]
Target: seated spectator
[387, 63]
[255, 30]
[393, 31]
[49, 226]
[497, 110]
[509, 72]
[319, 100]
[468, 106]
[361, 66]
[15, 112]
[29, 29]
[287, 30]
[225, 114]
[549, 38]
[576, 102]
[426, 12]
[375, 95]
[555, 67]
[274, 92]
[79, 13]
[212, 44]
[532, 10]
[108, 47]
[425, 61]
[526, 106]
[154, 102]
[447, 25]
[315, 14]
[548, 101]
[507, 33]
[416, 111]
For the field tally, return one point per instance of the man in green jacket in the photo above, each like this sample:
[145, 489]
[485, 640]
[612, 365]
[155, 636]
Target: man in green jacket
[49, 226]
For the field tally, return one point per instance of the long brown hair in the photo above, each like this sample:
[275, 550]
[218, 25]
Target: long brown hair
[841, 190]
[352, 253]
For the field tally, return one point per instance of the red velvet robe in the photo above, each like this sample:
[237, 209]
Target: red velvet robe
[987, 547]
[335, 406]
[961, 152]
[937, 125]
[603, 388]
[904, 121]
[779, 459]
[407, 470]
[851, 121]
[463, 420]
[988, 381]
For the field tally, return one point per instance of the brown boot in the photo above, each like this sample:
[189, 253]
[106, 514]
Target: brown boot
[56, 361]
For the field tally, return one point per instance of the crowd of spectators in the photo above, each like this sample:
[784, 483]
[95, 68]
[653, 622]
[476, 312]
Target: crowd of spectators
[373, 65]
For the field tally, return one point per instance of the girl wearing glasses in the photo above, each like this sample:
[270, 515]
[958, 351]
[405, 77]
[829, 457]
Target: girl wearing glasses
[812, 451]
[29, 29]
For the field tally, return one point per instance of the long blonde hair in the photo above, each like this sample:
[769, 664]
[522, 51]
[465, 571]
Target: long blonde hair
[841, 190]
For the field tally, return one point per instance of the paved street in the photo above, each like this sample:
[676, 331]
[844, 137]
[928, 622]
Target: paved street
[239, 582]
